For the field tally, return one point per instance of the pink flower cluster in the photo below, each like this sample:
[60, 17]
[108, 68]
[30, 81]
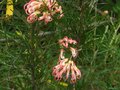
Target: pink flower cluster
[65, 41]
[42, 10]
[66, 67]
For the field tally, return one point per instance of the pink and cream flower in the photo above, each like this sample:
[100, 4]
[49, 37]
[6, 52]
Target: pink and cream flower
[66, 41]
[68, 68]
[46, 9]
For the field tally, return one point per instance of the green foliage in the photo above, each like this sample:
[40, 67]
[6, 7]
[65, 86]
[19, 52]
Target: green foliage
[27, 58]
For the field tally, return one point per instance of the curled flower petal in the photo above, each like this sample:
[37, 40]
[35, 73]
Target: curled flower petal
[63, 62]
[68, 71]
[74, 52]
[71, 41]
[65, 41]
[46, 17]
[58, 76]
[33, 17]
[61, 15]
[32, 3]
[58, 9]
[73, 76]
[78, 73]
[61, 56]
[41, 18]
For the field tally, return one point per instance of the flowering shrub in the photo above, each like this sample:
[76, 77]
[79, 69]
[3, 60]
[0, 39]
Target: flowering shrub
[47, 8]
[33, 56]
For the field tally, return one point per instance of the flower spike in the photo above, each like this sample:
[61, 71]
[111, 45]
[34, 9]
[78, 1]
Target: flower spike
[65, 66]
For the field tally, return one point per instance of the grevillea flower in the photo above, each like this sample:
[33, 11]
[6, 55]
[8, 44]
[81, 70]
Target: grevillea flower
[61, 64]
[65, 41]
[46, 8]
[33, 17]
[66, 68]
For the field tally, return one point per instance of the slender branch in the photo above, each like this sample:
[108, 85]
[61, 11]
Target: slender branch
[41, 33]
[32, 59]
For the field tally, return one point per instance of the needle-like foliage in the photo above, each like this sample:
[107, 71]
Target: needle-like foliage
[27, 56]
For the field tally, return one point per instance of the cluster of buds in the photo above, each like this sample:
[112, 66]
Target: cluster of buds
[42, 10]
[65, 42]
[66, 67]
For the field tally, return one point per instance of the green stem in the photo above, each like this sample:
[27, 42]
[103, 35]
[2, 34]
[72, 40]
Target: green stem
[73, 86]
[32, 61]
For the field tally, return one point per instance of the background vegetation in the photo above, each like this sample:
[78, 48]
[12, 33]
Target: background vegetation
[27, 56]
